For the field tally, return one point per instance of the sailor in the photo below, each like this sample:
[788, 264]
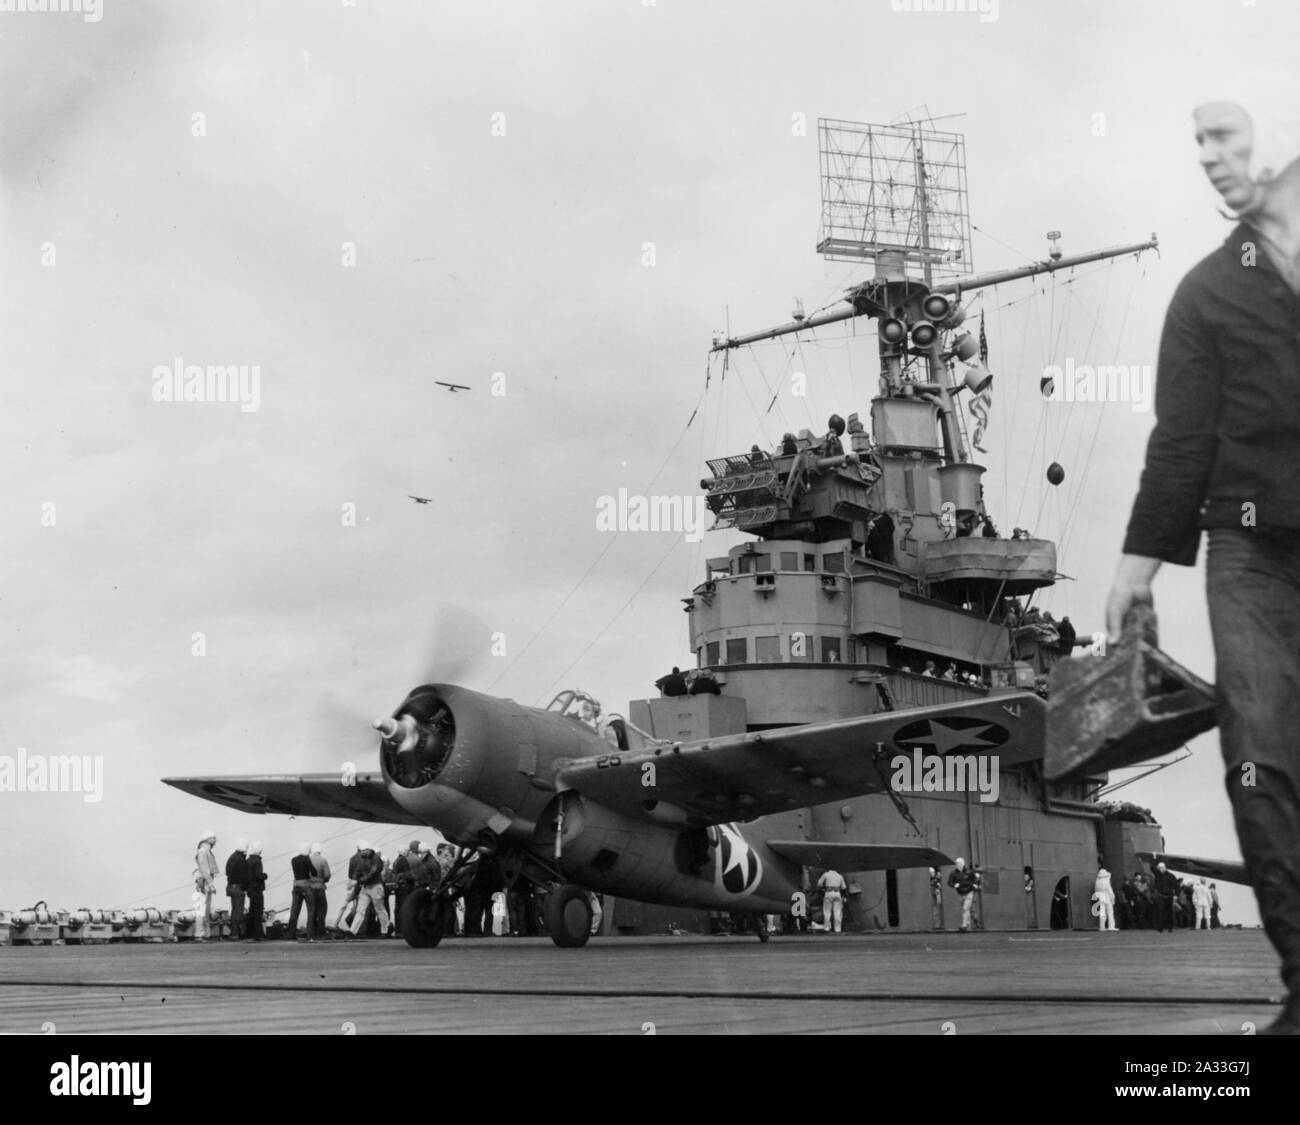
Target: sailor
[936, 899]
[833, 885]
[1202, 901]
[1031, 914]
[789, 447]
[1066, 632]
[880, 539]
[1186, 905]
[1125, 902]
[205, 885]
[1141, 901]
[256, 891]
[348, 909]
[366, 869]
[1214, 908]
[404, 868]
[988, 531]
[1103, 897]
[236, 885]
[705, 683]
[831, 444]
[672, 684]
[977, 898]
[961, 881]
[1225, 456]
[756, 455]
[319, 881]
[303, 894]
[929, 668]
[1164, 888]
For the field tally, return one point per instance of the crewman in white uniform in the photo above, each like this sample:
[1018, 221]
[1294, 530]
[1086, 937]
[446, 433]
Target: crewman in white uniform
[833, 901]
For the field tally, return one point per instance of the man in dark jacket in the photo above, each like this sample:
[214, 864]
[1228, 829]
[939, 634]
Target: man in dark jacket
[404, 875]
[962, 880]
[366, 869]
[1225, 457]
[256, 892]
[236, 885]
[303, 894]
[1165, 887]
[672, 684]
[1141, 901]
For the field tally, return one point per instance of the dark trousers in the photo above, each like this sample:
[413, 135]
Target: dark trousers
[236, 894]
[1164, 912]
[303, 895]
[256, 912]
[475, 901]
[1140, 913]
[1253, 586]
[316, 919]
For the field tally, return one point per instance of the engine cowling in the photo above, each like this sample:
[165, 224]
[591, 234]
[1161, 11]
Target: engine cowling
[464, 762]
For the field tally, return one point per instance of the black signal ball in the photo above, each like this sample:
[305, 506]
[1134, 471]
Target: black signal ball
[1055, 473]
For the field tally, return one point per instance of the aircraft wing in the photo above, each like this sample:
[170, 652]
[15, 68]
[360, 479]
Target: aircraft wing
[857, 857]
[317, 794]
[743, 776]
[1229, 871]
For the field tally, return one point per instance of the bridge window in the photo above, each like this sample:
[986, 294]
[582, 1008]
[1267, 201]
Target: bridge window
[801, 647]
[833, 563]
[830, 650]
[737, 650]
[763, 562]
[767, 650]
[745, 564]
[711, 652]
[810, 562]
[789, 560]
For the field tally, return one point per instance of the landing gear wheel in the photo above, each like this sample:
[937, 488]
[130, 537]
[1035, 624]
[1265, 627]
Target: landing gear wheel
[421, 919]
[568, 916]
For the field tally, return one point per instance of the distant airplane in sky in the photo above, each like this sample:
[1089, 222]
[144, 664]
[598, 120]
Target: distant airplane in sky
[453, 387]
[420, 499]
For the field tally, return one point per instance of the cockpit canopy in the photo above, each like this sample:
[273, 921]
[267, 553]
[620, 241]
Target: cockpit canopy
[576, 704]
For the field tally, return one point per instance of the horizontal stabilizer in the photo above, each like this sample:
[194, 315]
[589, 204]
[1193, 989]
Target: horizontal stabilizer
[1226, 870]
[360, 797]
[857, 857]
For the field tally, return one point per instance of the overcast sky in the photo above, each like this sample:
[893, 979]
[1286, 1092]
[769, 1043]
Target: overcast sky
[183, 181]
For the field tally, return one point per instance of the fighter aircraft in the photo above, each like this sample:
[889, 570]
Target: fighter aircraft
[576, 805]
[453, 387]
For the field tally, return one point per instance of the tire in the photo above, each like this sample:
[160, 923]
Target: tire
[568, 917]
[421, 920]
